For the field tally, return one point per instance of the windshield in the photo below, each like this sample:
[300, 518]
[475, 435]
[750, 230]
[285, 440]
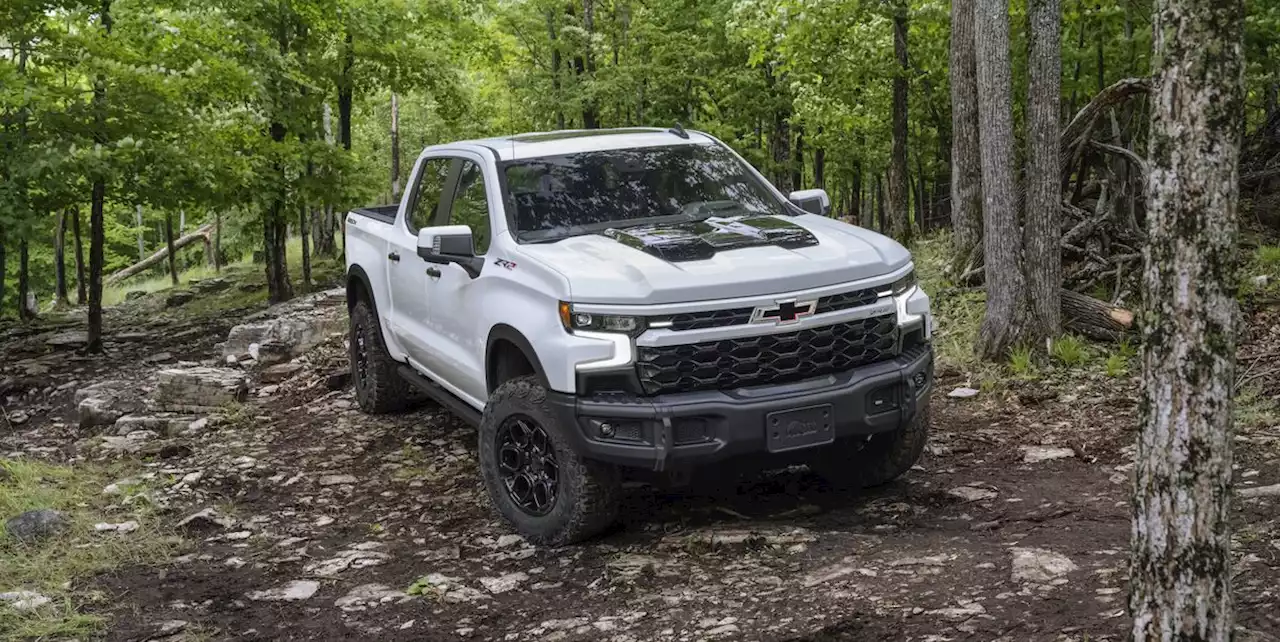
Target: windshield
[558, 196]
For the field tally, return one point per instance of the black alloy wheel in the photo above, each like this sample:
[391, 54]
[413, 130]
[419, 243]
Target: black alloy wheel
[527, 464]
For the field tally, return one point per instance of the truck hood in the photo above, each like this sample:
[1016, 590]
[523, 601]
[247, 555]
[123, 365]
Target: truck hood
[717, 258]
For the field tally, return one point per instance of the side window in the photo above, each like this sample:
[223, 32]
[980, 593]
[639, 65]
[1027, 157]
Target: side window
[426, 199]
[471, 205]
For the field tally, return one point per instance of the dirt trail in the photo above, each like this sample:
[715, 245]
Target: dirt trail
[345, 512]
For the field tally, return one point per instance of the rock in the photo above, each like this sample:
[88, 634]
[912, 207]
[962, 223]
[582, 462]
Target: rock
[294, 591]
[1261, 280]
[358, 556]
[297, 326]
[169, 627]
[206, 521]
[1037, 454]
[504, 583]
[178, 298]
[166, 426]
[335, 480]
[67, 339]
[129, 444]
[18, 417]
[267, 391]
[35, 525]
[134, 295]
[24, 600]
[159, 357]
[122, 527]
[1261, 491]
[824, 575]
[966, 610]
[962, 393]
[366, 595]
[337, 379]
[200, 388]
[972, 493]
[101, 404]
[279, 372]
[5, 475]
[207, 286]
[448, 589]
[509, 540]
[1040, 566]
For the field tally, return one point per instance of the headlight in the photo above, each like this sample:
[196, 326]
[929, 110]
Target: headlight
[903, 284]
[574, 320]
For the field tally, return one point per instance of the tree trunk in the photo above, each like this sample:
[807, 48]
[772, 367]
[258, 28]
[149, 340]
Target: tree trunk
[395, 149]
[1100, 32]
[1180, 574]
[170, 250]
[346, 91]
[142, 245]
[586, 65]
[25, 311]
[60, 261]
[1007, 320]
[321, 225]
[160, 255]
[97, 204]
[1075, 76]
[855, 206]
[275, 233]
[819, 168]
[2, 271]
[305, 235]
[797, 160]
[1094, 318]
[899, 181]
[966, 167]
[1042, 233]
[879, 213]
[80, 278]
[217, 241]
[555, 67]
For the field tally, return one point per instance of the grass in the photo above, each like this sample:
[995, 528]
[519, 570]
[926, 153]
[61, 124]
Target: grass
[957, 312]
[59, 567]
[1069, 350]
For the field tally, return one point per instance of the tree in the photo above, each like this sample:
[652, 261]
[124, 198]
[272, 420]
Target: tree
[1007, 320]
[966, 168]
[1180, 574]
[98, 199]
[899, 188]
[1042, 232]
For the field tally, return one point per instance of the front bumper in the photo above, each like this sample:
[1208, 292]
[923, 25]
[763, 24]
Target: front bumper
[695, 428]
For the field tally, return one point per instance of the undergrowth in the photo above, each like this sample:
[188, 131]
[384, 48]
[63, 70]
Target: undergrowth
[59, 567]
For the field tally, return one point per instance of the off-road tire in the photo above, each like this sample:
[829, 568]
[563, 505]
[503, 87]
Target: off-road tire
[380, 390]
[588, 492]
[865, 463]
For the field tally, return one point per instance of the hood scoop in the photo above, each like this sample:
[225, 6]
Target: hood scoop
[700, 240]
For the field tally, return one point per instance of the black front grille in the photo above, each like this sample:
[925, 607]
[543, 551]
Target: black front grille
[847, 300]
[742, 316]
[776, 358]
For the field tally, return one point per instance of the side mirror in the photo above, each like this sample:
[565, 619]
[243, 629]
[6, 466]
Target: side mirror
[813, 201]
[446, 244]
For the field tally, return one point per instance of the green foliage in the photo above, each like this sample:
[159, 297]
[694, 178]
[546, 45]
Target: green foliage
[1022, 362]
[1069, 350]
[1117, 365]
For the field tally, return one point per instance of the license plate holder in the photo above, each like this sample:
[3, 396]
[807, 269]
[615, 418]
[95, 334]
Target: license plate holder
[799, 428]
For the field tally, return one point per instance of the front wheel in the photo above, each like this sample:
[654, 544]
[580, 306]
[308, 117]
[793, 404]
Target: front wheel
[536, 481]
[878, 459]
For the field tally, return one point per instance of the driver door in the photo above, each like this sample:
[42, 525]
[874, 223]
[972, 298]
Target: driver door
[455, 296]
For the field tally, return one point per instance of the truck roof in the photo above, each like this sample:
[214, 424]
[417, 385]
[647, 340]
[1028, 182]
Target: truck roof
[571, 141]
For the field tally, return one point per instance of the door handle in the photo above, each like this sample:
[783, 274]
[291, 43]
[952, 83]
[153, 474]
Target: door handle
[433, 273]
[394, 256]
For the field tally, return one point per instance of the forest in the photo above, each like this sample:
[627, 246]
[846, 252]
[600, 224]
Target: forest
[225, 129]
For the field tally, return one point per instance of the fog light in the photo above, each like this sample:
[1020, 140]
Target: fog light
[920, 380]
[606, 430]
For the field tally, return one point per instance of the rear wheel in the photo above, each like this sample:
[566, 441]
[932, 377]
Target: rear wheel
[536, 481]
[379, 388]
[878, 459]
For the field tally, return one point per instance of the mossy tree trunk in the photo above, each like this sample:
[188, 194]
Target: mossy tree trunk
[1042, 233]
[898, 188]
[1180, 575]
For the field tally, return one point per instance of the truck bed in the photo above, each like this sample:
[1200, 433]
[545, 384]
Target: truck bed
[383, 213]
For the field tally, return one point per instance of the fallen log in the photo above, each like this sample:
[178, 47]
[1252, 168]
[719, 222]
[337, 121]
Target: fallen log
[201, 234]
[1093, 318]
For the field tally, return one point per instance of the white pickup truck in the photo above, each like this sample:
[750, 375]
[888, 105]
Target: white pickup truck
[612, 302]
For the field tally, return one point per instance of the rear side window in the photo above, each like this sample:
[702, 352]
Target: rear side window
[426, 199]
[471, 205]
